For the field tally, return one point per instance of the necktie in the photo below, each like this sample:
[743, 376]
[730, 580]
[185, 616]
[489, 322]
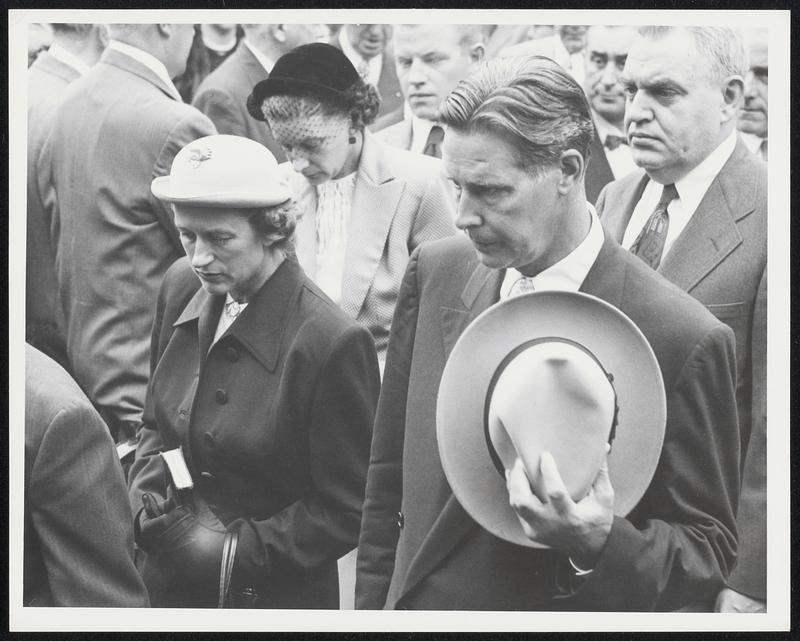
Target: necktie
[523, 285]
[649, 246]
[613, 141]
[762, 149]
[433, 145]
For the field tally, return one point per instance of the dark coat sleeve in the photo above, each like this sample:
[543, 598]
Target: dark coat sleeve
[750, 575]
[679, 544]
[379, 531]
[324, 524]
[81, 515]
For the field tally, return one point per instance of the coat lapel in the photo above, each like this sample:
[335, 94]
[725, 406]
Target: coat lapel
[711, 233]
[377, 194]
[481, 291]
[204, 310]
[615, 220]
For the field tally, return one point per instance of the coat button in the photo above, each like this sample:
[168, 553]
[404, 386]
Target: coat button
[209, 439]
[401, 520]
[221, 396]
[233, 354]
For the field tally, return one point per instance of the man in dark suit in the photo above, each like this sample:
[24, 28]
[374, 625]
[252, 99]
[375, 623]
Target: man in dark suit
[118, 126]
[365, 45]
[518, 134]
[684, 90]
[222, 96]
[78, 548]
[610, 157]
[430, 60]
[75, 48]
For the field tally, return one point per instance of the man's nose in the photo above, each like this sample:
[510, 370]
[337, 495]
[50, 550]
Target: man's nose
[201, 254]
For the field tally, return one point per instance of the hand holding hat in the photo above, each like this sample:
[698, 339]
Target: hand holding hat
[579, 529]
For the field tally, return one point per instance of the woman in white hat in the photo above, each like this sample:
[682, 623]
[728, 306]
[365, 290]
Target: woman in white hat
[365, 205]
[267, 388]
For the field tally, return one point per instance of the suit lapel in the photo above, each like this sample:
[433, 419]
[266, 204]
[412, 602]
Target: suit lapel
[453, 524]
[253, 69]
[712, 231]
[377, 194]
[204, 310]
[615, 220]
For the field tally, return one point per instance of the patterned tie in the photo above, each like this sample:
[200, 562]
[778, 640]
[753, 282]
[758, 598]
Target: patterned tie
[613, 141]
[523, 285]
[649, 246]
[433, 146]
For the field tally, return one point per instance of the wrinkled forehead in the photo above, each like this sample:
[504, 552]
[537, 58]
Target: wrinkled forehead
[292, 119]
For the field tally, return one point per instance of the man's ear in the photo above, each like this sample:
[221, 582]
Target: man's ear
[732, 96]
[477, 52]
[164, 29]
[572, 165]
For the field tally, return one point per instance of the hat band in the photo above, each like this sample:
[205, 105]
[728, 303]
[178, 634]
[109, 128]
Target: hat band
[498, 463]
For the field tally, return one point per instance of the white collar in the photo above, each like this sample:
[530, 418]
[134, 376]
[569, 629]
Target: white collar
[70, 59]
[569, 273]
[420, 130]
[147, 59]
[751, 141]
[265, 62]
[694, 185]
[604, 128]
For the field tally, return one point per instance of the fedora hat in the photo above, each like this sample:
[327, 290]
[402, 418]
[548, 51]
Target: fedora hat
[563, 372]
[223, 170]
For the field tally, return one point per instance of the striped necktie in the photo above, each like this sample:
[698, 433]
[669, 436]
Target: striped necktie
[649, 246]
[523, 285]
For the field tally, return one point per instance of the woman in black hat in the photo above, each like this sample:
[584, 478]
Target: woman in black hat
[365, 205]
[262, 387]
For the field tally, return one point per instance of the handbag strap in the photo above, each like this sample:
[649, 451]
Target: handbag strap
[226, 567]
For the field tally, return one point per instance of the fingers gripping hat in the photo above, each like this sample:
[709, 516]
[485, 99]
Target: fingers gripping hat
[315, 69]
[223, 170]
[562, 372]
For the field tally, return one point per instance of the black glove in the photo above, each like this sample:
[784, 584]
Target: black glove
[188, 543]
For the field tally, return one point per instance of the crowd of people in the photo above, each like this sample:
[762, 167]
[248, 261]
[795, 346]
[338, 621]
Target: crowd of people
[251, 250]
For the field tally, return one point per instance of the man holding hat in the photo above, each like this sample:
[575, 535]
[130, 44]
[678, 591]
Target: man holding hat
[516, 148]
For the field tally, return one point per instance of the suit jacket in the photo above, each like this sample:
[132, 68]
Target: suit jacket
[677, 545]
[400, 200]
[78, 547]
[598, 171]
[720, 258]
[275, 421]
[222, 96]
[118, 127]
[48, 78]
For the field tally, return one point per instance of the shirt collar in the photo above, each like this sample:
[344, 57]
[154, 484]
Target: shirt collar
[694, 185]
[62, 55]
[147, 59]
[263, 60]
[569, 273]
[751, 141]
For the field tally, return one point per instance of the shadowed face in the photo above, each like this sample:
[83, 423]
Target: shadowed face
[606, 53]
[572, 36]
[753, 114]
[369, 40]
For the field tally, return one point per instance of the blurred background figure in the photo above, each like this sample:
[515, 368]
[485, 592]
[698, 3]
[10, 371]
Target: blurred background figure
[75, 48]
[40, 35]
[367, 47]
[119, 125]
[222, 96]
[504, 35]
[566, 47]
[212, 44]
[753, 115]
[610, 156]
[78, 548]
[430, 60]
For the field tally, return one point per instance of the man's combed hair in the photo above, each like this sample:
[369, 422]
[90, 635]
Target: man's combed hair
[531, 102]
[722, 47]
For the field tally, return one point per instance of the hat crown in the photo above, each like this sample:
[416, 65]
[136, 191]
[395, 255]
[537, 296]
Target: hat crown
[552, 396]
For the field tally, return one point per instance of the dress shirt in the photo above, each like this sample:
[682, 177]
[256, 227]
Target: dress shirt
[620, 159]
[148, 60]
[59, 53]
[374, 64]
[420, 130]
[691, 189]
[225, 320]
[267, 63]
[569, 273]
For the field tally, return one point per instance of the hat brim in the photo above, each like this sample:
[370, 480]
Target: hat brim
[163, 189]
[605, 331]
